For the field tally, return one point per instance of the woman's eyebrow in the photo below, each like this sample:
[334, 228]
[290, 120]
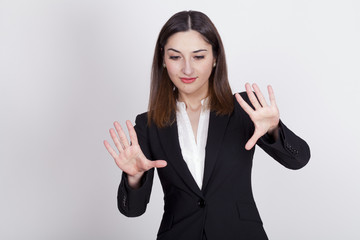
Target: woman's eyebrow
[200, 50]
[196, 51]
[171, 49]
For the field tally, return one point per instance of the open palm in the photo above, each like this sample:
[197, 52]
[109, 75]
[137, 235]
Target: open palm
[130, 158]
[265, 117]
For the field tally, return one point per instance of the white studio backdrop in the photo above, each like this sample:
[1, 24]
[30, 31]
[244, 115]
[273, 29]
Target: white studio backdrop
[68, 69]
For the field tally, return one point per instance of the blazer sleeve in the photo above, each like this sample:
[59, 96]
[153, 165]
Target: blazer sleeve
[289, 149]
[132, 202]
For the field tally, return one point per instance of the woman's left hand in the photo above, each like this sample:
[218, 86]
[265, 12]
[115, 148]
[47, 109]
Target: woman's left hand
[265, 118]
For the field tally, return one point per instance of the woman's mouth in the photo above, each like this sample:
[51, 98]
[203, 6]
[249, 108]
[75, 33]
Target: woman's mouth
[188, 80]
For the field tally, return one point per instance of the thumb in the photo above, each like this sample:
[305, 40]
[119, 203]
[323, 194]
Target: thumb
[160, 163]
[157, 164]
[252, 141]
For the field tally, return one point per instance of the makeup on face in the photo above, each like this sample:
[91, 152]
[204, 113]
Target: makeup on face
[189, 62]
[188, 80]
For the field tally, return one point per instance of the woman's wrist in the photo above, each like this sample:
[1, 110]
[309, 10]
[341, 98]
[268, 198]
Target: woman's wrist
[135, 181]
[274, 132]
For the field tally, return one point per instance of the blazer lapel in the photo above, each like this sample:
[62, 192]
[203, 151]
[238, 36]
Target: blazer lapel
[170, 142]
[217, 127]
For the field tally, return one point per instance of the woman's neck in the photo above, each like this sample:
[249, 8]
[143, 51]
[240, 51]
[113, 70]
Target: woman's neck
[193, 103]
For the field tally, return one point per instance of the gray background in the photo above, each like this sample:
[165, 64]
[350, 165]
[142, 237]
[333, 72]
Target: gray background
[68, 69]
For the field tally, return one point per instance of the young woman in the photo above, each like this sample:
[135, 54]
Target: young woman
[200, 138]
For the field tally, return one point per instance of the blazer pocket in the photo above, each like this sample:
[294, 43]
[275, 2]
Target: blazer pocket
[166, 223]
[248, 212]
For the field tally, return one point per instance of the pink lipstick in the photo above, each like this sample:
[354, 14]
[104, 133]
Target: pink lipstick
[188, 80]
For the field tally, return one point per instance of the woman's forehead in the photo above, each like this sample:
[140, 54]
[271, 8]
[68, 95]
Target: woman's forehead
[187, 41]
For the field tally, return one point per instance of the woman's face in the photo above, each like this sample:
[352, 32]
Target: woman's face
[189, 61]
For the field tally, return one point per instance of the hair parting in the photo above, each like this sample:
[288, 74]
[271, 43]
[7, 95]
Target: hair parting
[163, 95]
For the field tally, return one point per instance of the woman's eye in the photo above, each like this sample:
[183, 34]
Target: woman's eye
[199, 57]
[174, 57]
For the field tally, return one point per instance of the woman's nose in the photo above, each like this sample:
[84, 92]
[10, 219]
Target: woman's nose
[188, 68]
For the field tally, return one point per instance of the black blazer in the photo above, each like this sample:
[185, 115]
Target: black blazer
[224, 208]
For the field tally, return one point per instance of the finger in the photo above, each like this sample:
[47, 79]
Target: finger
[259, 95]
[132, 133]
[252, 97]
[123, 139]
[252, 141]
[110, 149]
[244, 104]
[157, 164]
[271, 96]
[116, 140]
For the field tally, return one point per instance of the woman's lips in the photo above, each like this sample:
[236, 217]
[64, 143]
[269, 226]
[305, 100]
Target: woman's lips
[188, 80]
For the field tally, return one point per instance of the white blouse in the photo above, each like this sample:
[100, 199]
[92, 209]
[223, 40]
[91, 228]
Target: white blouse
[193, 151]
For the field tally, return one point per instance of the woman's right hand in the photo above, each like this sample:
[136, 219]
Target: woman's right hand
[130, 158]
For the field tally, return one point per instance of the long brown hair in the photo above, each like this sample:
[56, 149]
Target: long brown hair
[163, 94]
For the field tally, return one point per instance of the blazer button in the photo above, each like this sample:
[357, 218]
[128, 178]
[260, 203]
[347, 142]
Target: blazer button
[201, 203]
